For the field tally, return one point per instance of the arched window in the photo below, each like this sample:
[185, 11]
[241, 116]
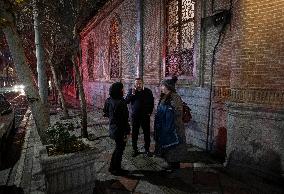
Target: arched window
[179, 37]
[114, 49]
[90, 60]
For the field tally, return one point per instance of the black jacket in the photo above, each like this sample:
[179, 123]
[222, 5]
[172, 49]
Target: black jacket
[115, 109]
[118, 118]
[141, 103]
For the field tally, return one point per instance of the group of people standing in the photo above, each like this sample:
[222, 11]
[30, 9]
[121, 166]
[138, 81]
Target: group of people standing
[169, 133]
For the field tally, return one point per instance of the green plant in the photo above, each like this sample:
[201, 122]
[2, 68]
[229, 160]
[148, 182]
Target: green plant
[61, 139]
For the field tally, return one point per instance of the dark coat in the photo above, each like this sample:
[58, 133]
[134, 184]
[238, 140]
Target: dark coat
[118, 118]
[164, 126]
[141, 103]
[116, 110]
[175, 153]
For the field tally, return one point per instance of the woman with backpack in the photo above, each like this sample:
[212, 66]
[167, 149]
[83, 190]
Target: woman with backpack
[169, 127]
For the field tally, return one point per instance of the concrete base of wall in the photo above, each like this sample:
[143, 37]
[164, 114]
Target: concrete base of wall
[255, 138]
[197, 99]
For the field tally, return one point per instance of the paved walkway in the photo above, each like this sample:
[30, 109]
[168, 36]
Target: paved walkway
[198, 174]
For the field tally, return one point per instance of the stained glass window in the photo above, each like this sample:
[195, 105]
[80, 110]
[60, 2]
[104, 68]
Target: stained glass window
[180, 37]
[90, 60]
[114, 49]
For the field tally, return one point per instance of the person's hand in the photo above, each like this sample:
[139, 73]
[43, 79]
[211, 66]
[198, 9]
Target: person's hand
[133, 91]
[125, 138]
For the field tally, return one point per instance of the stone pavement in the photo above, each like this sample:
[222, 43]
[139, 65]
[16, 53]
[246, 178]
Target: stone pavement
[198, 174]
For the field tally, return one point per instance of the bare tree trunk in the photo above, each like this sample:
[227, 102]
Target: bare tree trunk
[60, 94]
[41, 69]
[82, 98]
[39, 111]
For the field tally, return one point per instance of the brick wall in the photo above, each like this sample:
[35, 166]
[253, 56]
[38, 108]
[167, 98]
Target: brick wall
[248, 66]
[258, 45]
[248, 60]
[152, 36]
[98, 30]
[191, 92]
[255, 108]
[221, 73]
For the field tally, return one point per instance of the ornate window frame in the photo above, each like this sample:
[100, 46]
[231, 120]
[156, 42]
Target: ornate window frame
[194, 77]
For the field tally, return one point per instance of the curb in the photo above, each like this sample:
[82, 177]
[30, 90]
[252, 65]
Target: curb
[21, 162]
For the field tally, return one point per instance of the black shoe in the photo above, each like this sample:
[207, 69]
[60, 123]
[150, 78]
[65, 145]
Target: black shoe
[172, 166]
[119, 172]
[148, 154]
[135, 153]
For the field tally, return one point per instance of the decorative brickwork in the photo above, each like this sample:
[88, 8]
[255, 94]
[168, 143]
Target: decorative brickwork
[90, 60]
[221, 93]
[257, 96]
[114, 49]
[101, 51]
[152, 40]
[113, 32]
[104, 54]
[105, 12]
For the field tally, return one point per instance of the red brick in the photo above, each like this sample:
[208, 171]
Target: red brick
[129, 184]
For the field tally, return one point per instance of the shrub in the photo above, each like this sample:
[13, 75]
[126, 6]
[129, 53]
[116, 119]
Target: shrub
[59, 136]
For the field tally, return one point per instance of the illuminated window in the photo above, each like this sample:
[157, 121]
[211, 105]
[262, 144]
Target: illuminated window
[90, 60]
[114, 49]
[180, 37]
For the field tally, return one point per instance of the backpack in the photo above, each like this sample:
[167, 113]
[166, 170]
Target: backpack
[186, 115]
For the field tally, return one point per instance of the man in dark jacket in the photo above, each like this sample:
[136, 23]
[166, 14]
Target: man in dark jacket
[116, 110]
[142, 104]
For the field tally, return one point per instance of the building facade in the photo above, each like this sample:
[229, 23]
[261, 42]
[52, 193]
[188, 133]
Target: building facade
[229, 59]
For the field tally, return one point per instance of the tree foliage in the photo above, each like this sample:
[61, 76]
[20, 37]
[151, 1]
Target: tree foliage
[61, 25]
[8, 13]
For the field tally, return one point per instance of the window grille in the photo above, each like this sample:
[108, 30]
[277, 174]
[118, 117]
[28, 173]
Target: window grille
[179, 37]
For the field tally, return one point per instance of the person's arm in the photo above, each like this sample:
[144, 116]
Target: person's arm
[176, 102]
[129, 97]
[106, 108]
